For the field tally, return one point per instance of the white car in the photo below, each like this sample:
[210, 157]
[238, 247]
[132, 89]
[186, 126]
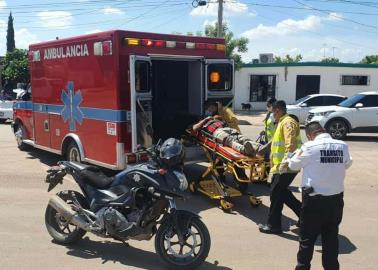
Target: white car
[303, 105]
[359, 113]
[6, 110]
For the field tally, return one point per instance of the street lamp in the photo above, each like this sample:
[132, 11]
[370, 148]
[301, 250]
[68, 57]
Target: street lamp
[199, 3]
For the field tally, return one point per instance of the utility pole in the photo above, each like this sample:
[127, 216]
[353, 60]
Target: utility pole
[333, 51]
[324, 49]
[220, 18]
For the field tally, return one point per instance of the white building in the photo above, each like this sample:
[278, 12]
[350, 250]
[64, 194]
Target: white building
[254, 83]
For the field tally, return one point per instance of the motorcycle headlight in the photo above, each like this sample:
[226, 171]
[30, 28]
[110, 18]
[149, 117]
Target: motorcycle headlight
[324, 113]
[183, 183]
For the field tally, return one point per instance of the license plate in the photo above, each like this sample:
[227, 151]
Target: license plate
[1, 113]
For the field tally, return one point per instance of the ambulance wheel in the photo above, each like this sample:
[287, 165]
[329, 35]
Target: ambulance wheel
[20, 136]
[73, 152]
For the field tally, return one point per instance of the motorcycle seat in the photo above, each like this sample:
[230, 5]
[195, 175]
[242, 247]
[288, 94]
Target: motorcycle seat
[95, 177]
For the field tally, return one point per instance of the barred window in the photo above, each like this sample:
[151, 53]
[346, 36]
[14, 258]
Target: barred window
[354, 80]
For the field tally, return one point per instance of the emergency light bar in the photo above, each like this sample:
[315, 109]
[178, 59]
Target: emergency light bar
[103, 48]
[173, 44]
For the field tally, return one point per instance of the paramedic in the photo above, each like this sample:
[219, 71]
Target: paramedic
[269, 121]
[216, 108]
[228, 136]
[324, 162]
[286, 140]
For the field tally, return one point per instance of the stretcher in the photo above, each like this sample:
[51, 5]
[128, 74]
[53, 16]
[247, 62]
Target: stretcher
[225, 160]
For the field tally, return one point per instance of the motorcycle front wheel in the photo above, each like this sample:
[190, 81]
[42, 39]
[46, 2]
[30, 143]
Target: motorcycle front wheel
[190, 253]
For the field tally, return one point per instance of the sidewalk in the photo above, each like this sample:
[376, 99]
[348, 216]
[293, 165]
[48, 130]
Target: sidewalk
[254, 118]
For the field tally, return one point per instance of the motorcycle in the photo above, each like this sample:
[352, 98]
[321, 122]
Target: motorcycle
[135, 204]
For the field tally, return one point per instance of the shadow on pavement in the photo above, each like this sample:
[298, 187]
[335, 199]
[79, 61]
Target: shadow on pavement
[113, 252]
[361, 138]
[44, 157]
[199, 202]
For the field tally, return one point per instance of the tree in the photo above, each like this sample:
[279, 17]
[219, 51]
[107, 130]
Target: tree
[330, 60]
[16, 67]
[288, 59]
[234, 46]
[11, 44]
[370, 59]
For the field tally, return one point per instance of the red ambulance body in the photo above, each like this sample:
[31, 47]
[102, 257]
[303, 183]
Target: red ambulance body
[96, 97]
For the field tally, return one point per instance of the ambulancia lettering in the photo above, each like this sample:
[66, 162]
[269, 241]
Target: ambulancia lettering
[66, 52]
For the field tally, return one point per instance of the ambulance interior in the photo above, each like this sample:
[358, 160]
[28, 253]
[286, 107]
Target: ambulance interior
[177, 89]
[177, 100]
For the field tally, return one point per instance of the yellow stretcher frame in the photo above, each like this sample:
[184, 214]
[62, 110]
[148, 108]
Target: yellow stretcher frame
[210, 185]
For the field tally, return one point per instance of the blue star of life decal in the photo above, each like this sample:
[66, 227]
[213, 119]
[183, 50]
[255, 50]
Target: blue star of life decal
[71, 110]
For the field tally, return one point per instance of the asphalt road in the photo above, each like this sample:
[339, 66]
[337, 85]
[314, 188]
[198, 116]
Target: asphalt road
[236, 242]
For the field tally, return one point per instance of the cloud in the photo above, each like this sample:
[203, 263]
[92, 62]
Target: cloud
[93, 31]
[3, 4]
[55, 19]
[24, 38]
[111, 10]
[230, 9]
[285, 27]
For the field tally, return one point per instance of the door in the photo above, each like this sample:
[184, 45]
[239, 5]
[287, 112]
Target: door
[367, 116]
[307, 85]
[141, 101]
[219, 79]
[41, 125]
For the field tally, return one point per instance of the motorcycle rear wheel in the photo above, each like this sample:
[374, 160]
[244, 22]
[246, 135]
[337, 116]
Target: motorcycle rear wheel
[197, 245]
[62, 232]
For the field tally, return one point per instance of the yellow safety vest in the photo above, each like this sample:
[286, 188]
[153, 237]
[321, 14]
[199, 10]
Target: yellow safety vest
[278, 143]
[270, 127]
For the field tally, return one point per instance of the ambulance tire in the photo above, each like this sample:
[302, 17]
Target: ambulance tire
[73, 152]
[20, 132]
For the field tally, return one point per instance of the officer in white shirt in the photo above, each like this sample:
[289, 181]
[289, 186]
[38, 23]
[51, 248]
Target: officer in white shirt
[324, 162]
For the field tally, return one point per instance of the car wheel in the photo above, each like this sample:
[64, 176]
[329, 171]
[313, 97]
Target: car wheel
[338, 129]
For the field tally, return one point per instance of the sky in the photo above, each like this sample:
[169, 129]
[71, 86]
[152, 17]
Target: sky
[345, 29]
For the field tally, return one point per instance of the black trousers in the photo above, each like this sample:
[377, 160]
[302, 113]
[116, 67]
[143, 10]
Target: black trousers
[280, 195]
[320, 215]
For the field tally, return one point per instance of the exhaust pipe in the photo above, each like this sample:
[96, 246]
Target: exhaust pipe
[70, 215]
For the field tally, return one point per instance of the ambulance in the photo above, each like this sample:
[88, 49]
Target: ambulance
[95, 98]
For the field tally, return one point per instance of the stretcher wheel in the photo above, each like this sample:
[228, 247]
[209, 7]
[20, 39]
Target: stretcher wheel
[225, 205]
[254, 201]
[192, 187]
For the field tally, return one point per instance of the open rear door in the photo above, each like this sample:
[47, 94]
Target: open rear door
[219, 79]
[141, 101]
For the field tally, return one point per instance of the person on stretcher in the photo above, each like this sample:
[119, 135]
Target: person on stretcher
[215, 127]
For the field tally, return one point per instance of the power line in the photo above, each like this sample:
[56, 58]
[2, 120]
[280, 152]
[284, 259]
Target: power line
[337, 17]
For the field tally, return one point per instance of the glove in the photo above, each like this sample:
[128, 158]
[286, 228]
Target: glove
[284, 166]
[262, 133]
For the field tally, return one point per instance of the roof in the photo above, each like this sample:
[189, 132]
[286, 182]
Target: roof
[312, 64]
[331, 95]
[369, 93]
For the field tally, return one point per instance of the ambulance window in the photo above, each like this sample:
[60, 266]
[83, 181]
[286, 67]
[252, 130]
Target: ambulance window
[142, 76]
[219, 77]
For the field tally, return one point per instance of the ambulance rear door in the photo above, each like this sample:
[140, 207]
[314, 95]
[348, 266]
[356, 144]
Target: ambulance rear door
[141, 101]
[219, 79]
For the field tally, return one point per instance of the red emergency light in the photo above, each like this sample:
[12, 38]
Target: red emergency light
[160, 43]
[103, 48]
[147, 42]
[173, 44]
